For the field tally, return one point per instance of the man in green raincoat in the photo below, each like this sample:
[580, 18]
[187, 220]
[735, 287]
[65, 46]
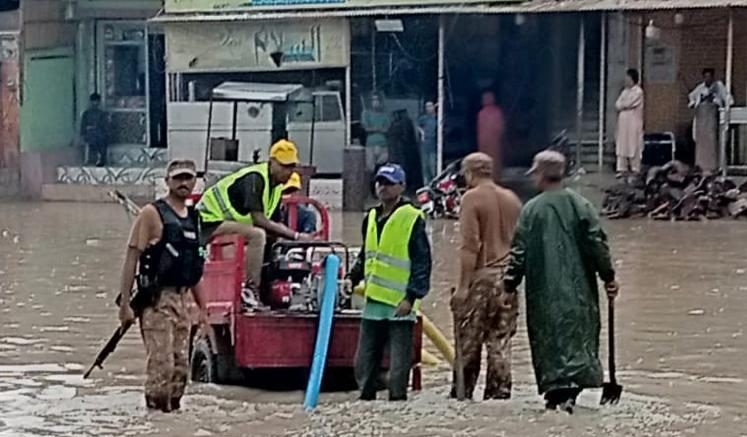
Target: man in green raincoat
[560, 248]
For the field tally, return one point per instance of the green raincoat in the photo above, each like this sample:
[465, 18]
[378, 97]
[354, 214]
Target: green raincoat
[560, 248]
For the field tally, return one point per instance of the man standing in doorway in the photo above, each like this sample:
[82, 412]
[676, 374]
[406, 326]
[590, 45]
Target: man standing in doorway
[707, 99]
[491, 127]
[395, 262]
[376, 123]
[629, 138]
[428, 130]
[484, 312]
[245, 202]
[94, 129]
[165, 250]
[560, 248]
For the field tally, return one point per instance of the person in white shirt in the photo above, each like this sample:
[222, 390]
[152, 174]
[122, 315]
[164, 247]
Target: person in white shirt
[629, 138]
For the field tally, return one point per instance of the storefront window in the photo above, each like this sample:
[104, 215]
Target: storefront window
[124, 68]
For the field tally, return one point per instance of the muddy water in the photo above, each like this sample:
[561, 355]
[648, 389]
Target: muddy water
[681, 343]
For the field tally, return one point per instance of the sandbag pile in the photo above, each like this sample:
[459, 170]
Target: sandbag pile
[675, 191]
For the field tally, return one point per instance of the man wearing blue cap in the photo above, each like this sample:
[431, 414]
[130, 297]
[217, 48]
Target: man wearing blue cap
[395, 262]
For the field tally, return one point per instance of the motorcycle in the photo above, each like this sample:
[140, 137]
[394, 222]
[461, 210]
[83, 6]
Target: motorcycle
[442, 197]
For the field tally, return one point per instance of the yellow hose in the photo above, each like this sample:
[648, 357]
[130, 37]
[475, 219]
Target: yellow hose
[429, 359]
[429, 329]
[438, 339]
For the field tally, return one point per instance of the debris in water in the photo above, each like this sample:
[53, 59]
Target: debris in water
[58, 392]
[54, 329]
[32, 368]
[73, 366]
[675, 192]
[76, 288]
[20, 341]
[740, 271]
[93, 242]
[76, 319]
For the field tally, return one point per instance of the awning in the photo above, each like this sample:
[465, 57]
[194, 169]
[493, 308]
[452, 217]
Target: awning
[258, 92]
[528, 7]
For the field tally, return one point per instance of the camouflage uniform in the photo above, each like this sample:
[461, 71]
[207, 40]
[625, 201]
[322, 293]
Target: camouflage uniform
[488, 317]
[165, 330]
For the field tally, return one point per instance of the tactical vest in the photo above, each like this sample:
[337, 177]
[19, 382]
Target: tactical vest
[177, 259]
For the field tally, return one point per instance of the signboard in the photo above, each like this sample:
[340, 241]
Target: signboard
[661, 63]
[181, 6]
[257, 46]
[328, 192]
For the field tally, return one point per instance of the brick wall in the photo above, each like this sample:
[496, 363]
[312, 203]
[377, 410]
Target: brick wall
[699, 42]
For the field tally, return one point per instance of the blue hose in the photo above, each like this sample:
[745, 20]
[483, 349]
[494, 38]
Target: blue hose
[326, 317]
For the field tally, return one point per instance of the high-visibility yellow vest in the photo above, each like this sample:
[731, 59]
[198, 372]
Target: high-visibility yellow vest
[214, 206]
[387, 267]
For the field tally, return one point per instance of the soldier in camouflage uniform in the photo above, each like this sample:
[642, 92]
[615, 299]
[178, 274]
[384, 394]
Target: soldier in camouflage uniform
[488, 317]
[483, 312]
[164, 248]
[165, 331]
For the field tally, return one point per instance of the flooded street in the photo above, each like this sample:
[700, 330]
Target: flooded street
[681, 344]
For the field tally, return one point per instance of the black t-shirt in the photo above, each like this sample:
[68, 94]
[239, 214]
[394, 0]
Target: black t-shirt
[247, 195]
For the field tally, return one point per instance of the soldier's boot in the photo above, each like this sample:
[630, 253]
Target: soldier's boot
[158, 403]
[176, 404]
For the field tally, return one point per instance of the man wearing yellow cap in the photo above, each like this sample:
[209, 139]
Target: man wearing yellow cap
[245, 202]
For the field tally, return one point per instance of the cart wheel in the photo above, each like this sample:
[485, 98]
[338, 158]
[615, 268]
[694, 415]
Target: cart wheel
[204, 363]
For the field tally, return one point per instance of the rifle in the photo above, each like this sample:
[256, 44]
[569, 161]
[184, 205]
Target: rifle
[132, 209]
[108, 349]
[141, 298]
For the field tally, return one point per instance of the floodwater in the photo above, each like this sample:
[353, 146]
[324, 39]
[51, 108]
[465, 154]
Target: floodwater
[681, 344]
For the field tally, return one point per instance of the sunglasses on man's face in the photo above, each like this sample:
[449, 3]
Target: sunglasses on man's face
[385, 182]
[183, 177]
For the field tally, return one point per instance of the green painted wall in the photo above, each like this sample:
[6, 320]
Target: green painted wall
[48, 107]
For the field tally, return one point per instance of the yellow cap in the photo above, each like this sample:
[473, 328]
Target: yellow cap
[293, 182]
[284, 152]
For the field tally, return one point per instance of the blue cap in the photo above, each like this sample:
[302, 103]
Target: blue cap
[392, 172]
